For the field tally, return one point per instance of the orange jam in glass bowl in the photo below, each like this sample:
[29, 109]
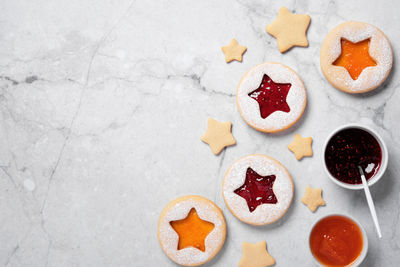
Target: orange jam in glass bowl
[337, 240]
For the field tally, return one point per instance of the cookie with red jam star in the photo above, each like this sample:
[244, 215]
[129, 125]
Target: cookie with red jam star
[257, 189]
[271, 97]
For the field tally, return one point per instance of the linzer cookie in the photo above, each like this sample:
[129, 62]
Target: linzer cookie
[191, 230]
[257, 189]
[356, 57]
[271, 97]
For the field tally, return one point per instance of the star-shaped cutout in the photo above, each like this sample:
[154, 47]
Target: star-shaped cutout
[301, 146]
[218, 135]
[289, 29]
[313, 198]
[354, 57]
[271, 96]
[192, 231]
[257, 189]
[255, 255]
[233, 51]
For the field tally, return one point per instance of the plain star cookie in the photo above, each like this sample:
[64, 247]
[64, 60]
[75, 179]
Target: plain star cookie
[191, 230]
[313, 198]
[356, 57]
[218, 135]
[257, 189]
[271, 97]
[233, 51]
[301, 146]
[255, 255]
[289, 29]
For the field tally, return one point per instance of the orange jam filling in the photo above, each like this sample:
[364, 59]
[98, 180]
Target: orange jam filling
[192, 231]
[336, 241]
[355, 57]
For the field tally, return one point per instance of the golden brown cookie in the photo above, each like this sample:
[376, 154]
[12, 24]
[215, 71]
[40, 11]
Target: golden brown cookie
[255, 255]
[289, 29]
[191, 230]
[356, 57]
[233, 51]
[313, 198]
[301, 146]
[218, 135]
[271, 97]
[246, 201]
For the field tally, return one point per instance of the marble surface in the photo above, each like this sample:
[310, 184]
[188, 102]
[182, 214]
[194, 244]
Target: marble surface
[102, 106]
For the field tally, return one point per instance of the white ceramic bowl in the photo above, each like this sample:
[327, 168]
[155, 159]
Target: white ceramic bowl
[384, 161]
[364, 251]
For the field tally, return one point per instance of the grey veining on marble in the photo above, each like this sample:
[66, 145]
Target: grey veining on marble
[102, 105]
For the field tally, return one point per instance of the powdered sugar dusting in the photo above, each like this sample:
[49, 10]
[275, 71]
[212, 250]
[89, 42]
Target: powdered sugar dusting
[207, 211]
[264, 213]
[379, 49]
[250, 109]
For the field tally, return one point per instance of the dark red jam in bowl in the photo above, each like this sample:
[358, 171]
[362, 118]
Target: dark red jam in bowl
[348, 149]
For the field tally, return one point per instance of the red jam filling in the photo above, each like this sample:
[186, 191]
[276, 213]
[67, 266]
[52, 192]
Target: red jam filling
[257, 189]
[271, 96]
[348, 149]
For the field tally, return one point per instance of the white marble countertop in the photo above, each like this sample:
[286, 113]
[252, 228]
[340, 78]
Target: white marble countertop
[103, 104]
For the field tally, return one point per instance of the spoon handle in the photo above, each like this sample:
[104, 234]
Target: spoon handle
[370, 203]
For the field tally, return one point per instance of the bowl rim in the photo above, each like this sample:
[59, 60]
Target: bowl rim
[384, 161]
[364, 250]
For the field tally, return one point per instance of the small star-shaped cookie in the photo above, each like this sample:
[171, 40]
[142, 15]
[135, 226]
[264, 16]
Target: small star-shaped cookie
[301, 146]
[289, 29]
[218, 135]
[255, 255]
[313, 198]
[233, 51]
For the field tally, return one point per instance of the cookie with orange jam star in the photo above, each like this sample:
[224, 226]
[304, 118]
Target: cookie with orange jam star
[257, 189]
[191, 230]
[356, 57]
[271, 97]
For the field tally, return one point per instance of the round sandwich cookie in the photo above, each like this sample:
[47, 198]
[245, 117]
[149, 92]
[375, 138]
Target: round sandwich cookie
[356, 57]
[191, 230]
[271, 97]
[257, 189]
